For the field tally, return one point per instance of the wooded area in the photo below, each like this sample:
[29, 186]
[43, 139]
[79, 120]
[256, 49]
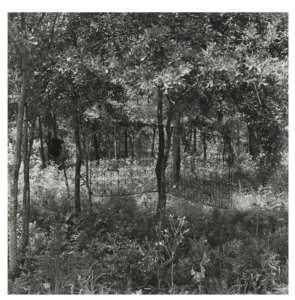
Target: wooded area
[148, 153]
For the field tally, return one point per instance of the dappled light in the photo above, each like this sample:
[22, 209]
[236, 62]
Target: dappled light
[148, 153]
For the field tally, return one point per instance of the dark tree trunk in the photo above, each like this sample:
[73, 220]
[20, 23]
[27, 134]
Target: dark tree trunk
[176, 152]
[238, 138]
[204, 148]
[139, 150]
[109, 145]
[163, 154]
[12, 263]
[27, 146]
[49, 137]
[54, 125]
[25, 217]
[253, 148]
[41, 144]
[87, 173]
[220, 121]
[65, 175]
[131, 146]
[126, 141]
[115, 141]
[77, 165]
[195, 140]
[153, 142]
[119, 154]
[95, 143]
[185, 139]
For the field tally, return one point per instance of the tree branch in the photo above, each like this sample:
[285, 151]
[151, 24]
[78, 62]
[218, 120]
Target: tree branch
[42, 17]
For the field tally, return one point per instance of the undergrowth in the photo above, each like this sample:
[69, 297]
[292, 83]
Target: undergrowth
[202, 250]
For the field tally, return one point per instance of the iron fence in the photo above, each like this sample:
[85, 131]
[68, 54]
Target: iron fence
[198, 168]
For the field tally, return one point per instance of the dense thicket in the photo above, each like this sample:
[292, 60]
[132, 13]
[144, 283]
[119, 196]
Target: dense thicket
[74, 76]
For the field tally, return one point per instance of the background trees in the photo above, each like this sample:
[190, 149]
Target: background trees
[69, 73]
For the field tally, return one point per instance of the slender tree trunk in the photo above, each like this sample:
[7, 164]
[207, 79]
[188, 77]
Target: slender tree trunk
[62, 161]
[232, 144]
[39, 118]
[160, 178]
[163, 155]
[219, 124]
[95, 143]
[115, 141]
[153, 142]
[195, 140]
[49, 136]
[119, 155]
[77, 165]
[238, 137]
[88, 174]
[186, 139]
[176, 152]
[204, 148]
[131, 146]
[41, 143]
[126, 141]
[190, 139]
[109, 144]
[65, 175]
[89, 187]
[253, 148]
[54, 125]
[12, 264]
[139, 151]
[25, 233]
[27, 146]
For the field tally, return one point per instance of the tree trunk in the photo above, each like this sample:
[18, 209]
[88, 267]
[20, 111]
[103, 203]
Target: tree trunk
[195, 140]
[238, 137]
[153, 142]
[95, 143]
[109, 145]
[176, 152]
[12, 264]
[87, 174]
[219, 124]
[41, 144]
[88, 180]
[25, 233]
[77, 165]
[115, 141]
[126, 141]
[186, 142]
[204, 148]
[65, 175]
[190, 139]
[54, 125]
[119, 154]
[131, 146]
[49, 136]
[163, 154]
[253, 148]
[26, 190]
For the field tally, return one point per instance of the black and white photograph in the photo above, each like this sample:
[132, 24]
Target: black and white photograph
[147, 153]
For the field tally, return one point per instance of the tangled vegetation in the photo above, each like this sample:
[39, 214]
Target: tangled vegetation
[148, 153]
[201, 251]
